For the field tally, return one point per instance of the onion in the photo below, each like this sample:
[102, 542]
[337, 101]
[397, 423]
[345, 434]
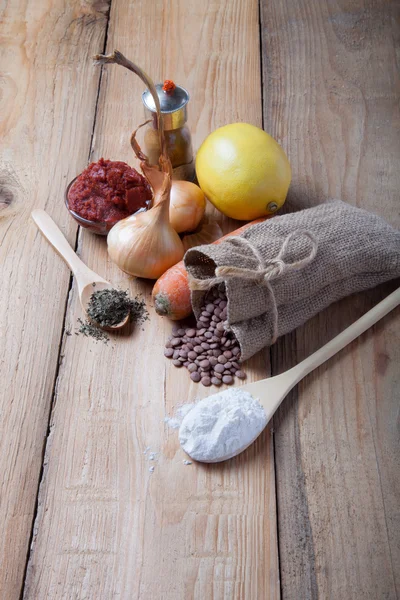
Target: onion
[145, 244]
[187, 206]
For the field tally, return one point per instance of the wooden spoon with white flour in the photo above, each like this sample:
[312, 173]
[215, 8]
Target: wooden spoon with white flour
[224, 424]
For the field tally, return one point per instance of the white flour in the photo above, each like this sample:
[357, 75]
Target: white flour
[150, 455]
[175, 422]
[221, 425]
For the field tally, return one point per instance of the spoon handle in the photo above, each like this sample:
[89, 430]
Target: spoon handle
[344, 338]
[60, 244]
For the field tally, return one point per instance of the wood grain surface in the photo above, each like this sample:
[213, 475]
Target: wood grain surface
[106, 526]
[48, 93]
[308, 513]
[331, 97]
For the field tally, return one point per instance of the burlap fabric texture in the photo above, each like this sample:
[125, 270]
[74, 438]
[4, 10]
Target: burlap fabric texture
[283, 271]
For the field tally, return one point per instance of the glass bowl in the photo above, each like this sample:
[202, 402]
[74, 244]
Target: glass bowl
[98, 227]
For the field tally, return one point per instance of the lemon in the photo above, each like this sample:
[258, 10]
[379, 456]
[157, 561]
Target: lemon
[243, 171]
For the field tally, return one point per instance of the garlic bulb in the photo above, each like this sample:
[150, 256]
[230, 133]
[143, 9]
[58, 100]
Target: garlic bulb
[145, 244]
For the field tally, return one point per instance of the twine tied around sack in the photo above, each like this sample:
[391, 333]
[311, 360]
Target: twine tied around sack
[265, 271]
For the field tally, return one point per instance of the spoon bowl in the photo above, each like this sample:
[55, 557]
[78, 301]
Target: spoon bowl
[87, 280]
[271, 391]
[86, 293]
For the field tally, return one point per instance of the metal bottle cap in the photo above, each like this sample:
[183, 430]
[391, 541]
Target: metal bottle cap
[173, 106]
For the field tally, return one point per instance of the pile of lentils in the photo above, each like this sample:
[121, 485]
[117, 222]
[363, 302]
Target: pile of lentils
[209, 352]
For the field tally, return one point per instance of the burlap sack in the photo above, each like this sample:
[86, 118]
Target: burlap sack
[280, 273]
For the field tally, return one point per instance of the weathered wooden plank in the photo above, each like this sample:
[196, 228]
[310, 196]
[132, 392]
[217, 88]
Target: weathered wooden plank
[47, 102]
[106, 526]
[331, 93]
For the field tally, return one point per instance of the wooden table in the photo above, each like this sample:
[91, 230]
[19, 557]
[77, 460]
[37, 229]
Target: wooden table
[311, 511]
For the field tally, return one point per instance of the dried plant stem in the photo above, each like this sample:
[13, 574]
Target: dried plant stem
[161, 186]
[119, 59]
[135, 145]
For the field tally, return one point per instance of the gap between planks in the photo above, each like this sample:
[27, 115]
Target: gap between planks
[259, 526]
[62, 335]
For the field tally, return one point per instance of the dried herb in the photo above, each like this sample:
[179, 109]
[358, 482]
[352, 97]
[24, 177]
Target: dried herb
[89, 330]
[107, 308]
[110, 307]
[138, 311]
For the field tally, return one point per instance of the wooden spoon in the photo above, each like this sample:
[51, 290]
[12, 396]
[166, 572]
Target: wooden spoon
[270, 392]
[85, 278]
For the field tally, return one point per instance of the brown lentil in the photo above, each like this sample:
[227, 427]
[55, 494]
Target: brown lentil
[209, 351]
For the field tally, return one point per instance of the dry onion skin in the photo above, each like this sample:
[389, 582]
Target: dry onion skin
[187, 202]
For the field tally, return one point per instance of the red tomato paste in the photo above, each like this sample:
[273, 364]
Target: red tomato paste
[108, 191]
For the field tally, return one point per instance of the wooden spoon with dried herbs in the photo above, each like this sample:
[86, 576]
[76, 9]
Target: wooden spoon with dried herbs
[105, 306]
